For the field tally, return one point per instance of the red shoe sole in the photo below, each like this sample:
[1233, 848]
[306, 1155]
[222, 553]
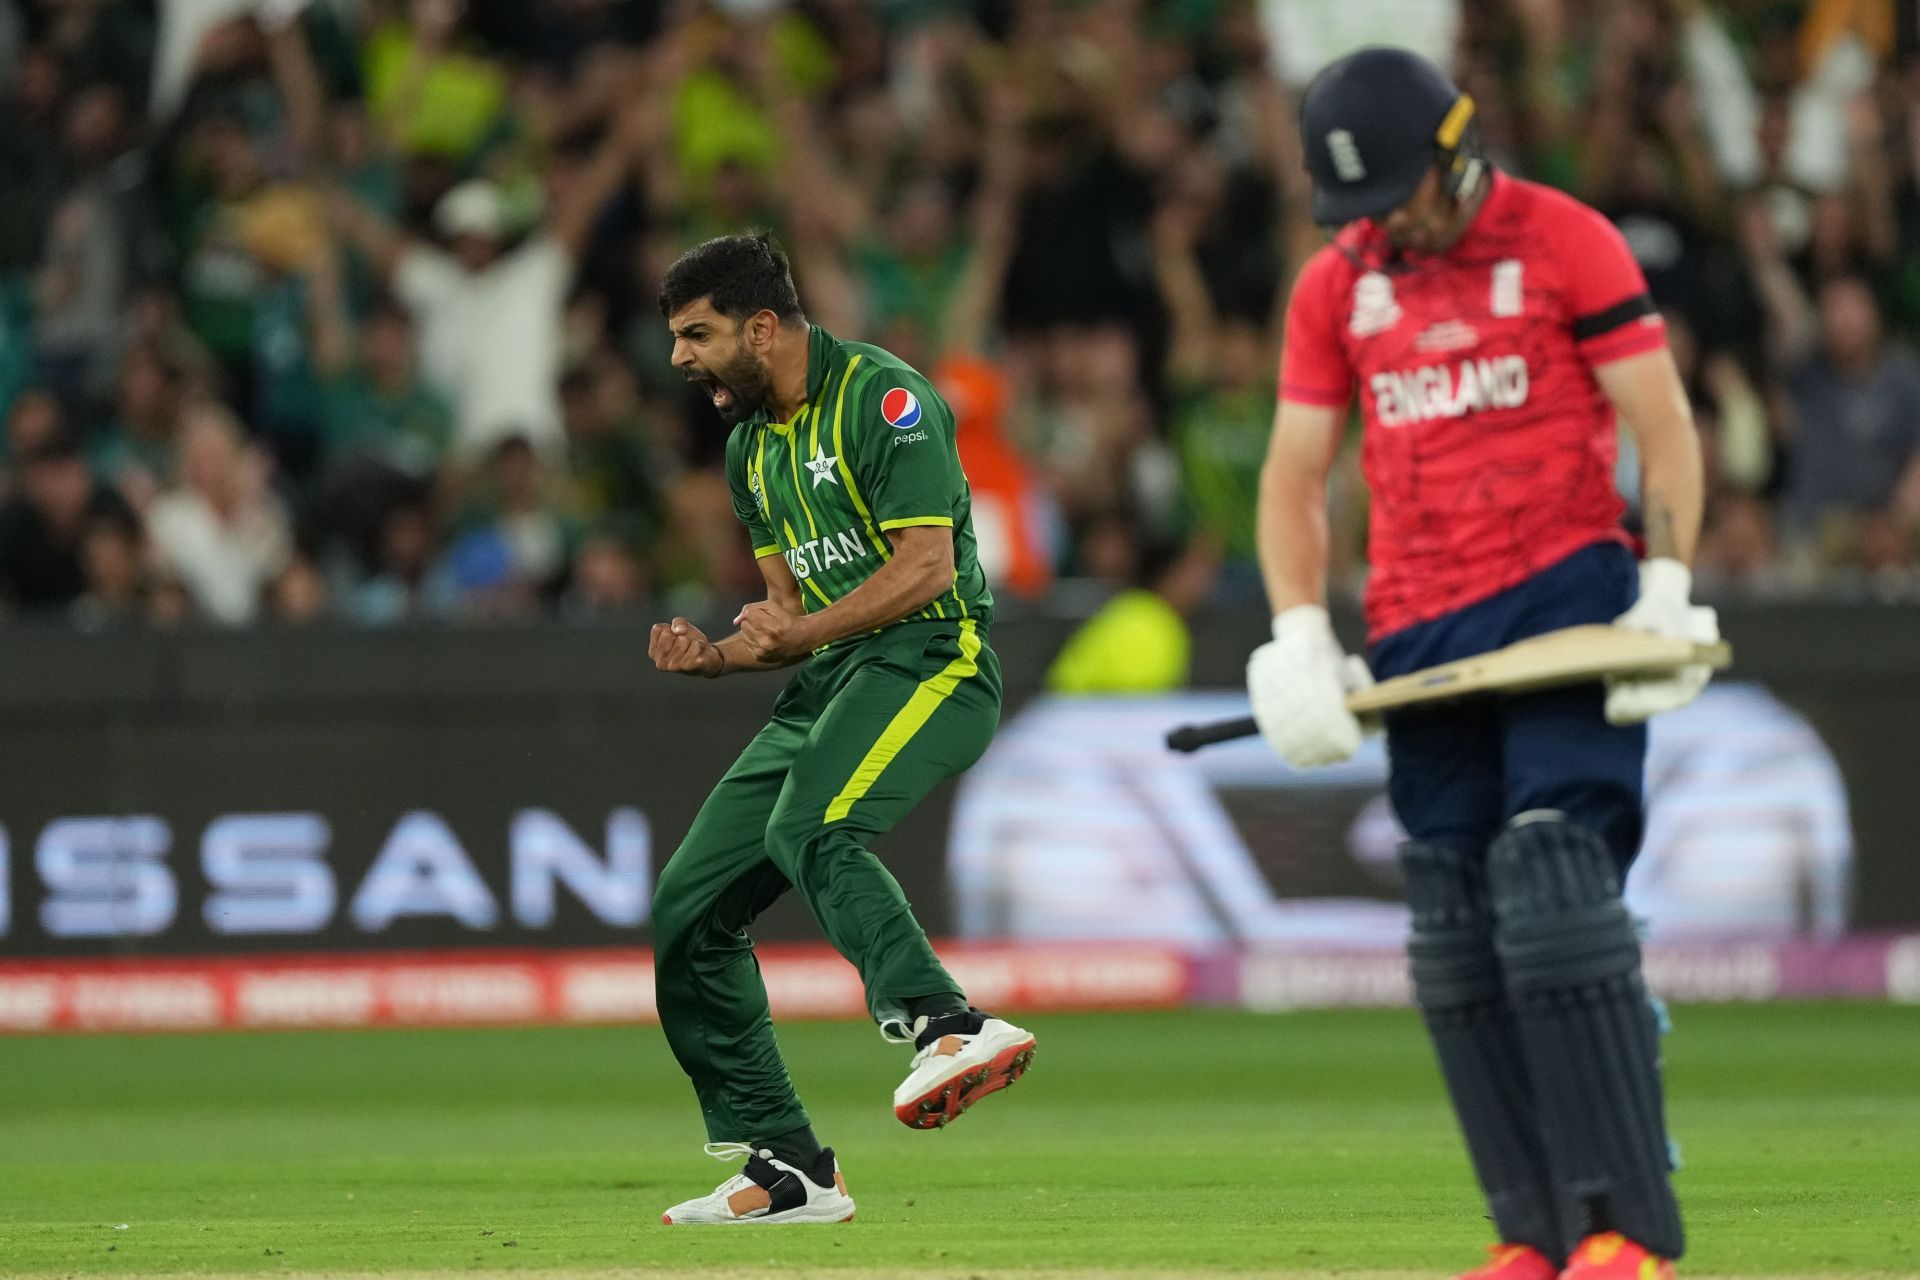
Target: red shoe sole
[939, 1107]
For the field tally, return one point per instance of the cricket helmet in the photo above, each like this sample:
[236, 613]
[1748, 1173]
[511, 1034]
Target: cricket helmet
[1373, 124]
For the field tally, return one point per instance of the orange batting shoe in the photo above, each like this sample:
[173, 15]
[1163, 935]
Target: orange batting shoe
[1512, 1262]
[1614, 1257]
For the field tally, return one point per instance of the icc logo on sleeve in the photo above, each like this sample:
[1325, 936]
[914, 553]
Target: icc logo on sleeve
[901, 408]
[1374, 308]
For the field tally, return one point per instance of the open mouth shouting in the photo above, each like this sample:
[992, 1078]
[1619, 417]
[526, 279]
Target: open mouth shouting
[737, 391]
[716, 390]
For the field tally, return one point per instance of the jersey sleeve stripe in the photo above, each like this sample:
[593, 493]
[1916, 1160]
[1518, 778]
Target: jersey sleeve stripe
[761, 553]
[1588, 327]
[1649, 335]
[910, 522]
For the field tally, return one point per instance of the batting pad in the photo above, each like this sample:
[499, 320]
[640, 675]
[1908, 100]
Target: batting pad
[1458, 984]
[1571, 959]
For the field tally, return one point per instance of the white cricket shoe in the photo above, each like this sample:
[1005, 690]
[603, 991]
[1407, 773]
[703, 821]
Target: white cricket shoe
[960, 1059]
[769, 1190]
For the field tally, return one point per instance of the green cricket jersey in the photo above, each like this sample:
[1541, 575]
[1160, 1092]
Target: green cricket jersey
[872, 449]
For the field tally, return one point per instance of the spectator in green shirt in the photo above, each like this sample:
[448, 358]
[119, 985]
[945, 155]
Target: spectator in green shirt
[1221, 390]
[384, 433]
[431, 96]
[221, 282]
[376, 405]
[617, 476]
[914, 266]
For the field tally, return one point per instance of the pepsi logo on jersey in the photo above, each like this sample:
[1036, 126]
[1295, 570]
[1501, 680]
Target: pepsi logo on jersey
[901, 408]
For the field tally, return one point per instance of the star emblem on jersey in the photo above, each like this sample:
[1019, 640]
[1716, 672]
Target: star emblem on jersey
[901, 408]
[822, 465]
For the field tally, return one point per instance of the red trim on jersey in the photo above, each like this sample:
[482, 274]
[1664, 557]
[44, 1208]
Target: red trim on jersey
[1649, 333]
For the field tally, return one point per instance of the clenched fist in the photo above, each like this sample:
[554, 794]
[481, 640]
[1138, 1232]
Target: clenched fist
[773, 634]
[680, 646]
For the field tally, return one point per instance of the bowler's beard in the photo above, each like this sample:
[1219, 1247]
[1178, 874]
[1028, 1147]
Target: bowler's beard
[748, 384]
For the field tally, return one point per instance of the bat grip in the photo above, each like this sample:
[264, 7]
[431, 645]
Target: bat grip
[1192, 737]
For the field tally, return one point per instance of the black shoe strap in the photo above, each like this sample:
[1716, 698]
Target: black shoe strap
[784, 1188]
[951, 1024]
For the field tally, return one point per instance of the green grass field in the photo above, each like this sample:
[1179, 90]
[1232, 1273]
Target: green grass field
[1178, 1144]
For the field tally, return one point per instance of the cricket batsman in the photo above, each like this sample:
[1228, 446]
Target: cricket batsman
[844, 471]
[1492, 329]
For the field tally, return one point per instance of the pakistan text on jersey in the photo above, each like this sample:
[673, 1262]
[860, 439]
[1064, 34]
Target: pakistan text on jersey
[1449, 391]
[816, 555]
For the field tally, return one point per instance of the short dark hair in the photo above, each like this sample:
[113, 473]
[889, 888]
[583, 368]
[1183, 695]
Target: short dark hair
[738, 274]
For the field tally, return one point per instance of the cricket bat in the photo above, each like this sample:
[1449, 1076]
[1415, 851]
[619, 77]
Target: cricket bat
[1571, 655]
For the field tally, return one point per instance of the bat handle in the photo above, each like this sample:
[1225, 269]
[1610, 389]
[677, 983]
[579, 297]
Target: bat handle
[1192, 737]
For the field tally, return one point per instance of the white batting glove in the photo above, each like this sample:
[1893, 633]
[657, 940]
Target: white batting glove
[1663, 609]
[1298, 682]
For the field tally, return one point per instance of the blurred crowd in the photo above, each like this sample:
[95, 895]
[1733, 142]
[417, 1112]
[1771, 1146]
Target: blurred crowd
[345, 308]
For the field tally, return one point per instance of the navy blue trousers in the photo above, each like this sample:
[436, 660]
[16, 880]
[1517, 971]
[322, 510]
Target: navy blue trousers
[1458, 771]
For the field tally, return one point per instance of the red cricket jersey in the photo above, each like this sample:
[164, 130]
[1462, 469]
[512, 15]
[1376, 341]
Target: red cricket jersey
[1488, 447]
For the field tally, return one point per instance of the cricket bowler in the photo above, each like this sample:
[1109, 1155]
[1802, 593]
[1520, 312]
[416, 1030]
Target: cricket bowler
[844, 471]
[1492, 329]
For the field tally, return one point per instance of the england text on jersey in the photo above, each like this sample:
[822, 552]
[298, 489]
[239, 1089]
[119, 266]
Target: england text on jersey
[1449, 391]
[1488, 446]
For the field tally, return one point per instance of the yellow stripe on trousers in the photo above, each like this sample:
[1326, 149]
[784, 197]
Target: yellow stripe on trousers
[908, 721]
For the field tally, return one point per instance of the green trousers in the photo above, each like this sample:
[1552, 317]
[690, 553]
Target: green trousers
[856, 740]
